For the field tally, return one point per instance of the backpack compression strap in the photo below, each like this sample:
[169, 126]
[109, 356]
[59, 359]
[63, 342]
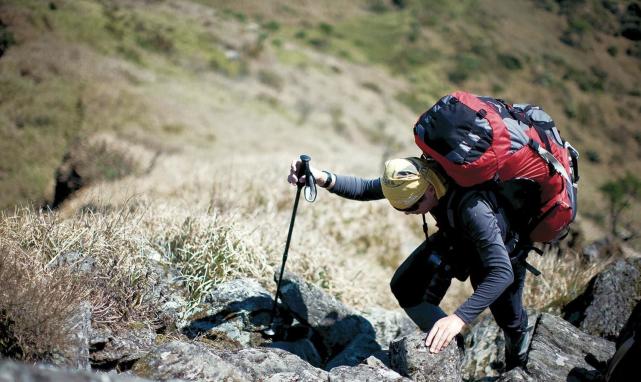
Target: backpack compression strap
[550, 159]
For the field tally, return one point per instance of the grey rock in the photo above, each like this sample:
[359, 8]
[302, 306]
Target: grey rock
[120, 349]
[11, 371]
[75, 260]
[410, 357]
[608, 301]
[243, 301]
[602, 249]
[389, 325]
[284, 377]
[361, 347]
[632, 326]
[168, 291]
[561, 352]
[625, 361]
[186, 361]
[234, 333]
[336, 324]
[516, 375]
[80, 325]
[242, 294]
[263, 363]
[485, 348]
[364, 373]
[379, 359]
[302, 348]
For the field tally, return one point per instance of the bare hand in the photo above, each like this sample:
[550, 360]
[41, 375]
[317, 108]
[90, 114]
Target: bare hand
[293, 170]
[443, 332]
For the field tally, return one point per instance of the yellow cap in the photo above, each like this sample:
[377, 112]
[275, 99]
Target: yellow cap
[405, 180]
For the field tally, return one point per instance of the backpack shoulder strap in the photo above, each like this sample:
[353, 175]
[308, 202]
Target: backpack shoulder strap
[459, 197]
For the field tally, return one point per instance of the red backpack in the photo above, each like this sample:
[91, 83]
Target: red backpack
[481, 139]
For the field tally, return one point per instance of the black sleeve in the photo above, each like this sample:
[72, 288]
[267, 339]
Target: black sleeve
[351, 187]
[480, 225]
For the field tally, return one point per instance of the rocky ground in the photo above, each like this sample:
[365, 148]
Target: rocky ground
[318, 338]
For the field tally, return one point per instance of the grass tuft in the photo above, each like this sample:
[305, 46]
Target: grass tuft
[36, 306]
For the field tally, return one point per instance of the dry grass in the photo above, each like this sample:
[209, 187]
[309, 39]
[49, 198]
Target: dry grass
[36, 305]
[118, 258]
[563, 278]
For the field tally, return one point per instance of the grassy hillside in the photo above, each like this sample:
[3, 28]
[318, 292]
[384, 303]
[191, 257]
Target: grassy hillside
[181, 118]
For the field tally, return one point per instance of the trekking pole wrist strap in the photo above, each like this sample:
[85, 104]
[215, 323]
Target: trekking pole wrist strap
[329, 179]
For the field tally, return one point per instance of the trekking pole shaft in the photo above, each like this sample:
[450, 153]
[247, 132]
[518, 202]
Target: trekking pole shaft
[289, 238]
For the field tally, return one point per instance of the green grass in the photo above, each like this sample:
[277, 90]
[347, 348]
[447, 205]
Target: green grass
[34, 134]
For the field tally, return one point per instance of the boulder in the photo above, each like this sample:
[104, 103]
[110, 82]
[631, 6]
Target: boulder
[410, 357]
[80, 327]
[365, 373]
[516, 375]
[120, 349]
[608, 300]
[379, 359]
[11, 371]
[232, 315]
[625, 361]
[303, 348]
[186, 361]
[389, 325]
[561, 352]
[232, 310]
[335, 324]
[485, 348]
[360, 348]
[264, 363]
[632, 326]
[169, 291]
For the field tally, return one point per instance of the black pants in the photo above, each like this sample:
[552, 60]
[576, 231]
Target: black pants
[421, 281]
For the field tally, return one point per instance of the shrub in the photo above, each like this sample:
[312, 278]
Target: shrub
[327, 29]
[271, 79]
[593, 156]
[620, 193]
[373, 86]
[466, 64]
[377, 6]
[319, 43]
[510, 62]
[6, 38]
[154, 38]
[272, 26]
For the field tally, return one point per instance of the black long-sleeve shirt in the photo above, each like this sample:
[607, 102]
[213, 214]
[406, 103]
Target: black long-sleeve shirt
[480, 227]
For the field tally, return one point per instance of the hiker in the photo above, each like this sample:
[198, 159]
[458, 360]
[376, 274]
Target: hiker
[476, 248]
[496, 177]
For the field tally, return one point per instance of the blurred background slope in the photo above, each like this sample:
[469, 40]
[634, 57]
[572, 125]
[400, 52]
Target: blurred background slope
[168, 126]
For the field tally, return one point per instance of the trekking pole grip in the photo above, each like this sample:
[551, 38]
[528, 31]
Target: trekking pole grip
[310, 181]
[304, 168]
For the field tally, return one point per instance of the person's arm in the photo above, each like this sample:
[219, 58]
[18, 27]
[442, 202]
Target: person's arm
[479, 224]
[351, 187]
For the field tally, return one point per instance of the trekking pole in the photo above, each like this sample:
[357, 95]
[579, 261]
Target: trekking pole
[310, 196]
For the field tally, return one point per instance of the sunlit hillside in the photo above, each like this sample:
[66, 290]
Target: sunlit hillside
[178, 120]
